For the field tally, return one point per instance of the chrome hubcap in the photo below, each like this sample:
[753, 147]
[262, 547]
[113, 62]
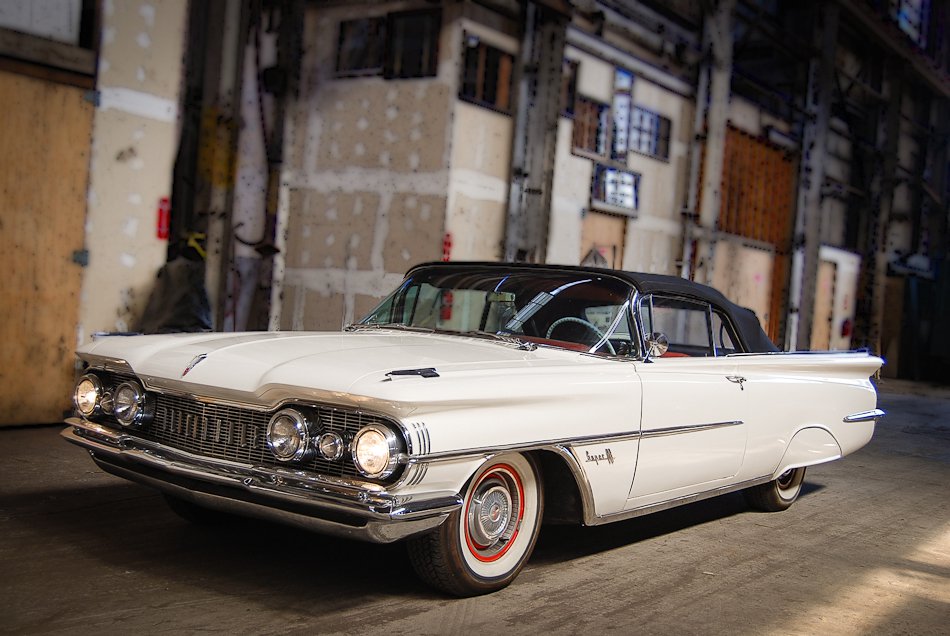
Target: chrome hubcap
[492, 518]
[490, 514]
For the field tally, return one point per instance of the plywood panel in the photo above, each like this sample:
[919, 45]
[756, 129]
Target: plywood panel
[824, 306]
[44, 159]
[744, 274]
[603, 235]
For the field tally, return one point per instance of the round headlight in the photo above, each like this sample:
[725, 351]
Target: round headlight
[87, 394]
[375, 451]
[288, 435]
[331, 446]
[130, 404]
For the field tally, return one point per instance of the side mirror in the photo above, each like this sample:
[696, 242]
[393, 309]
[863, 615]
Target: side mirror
[657, 344]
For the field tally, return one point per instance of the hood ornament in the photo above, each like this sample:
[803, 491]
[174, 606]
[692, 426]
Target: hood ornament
[194, 362]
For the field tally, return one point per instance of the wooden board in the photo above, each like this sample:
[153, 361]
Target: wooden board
[45, 140]
[824, 306]
[744, 274]
[604, 235]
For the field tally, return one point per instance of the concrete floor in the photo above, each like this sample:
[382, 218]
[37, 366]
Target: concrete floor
[865, 550]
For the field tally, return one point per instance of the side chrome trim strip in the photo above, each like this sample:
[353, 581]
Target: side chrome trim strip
[864, 416]
[571, 441]
[487, 451]
[692, 428]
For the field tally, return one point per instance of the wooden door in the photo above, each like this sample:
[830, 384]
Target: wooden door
[45, 139]
[758, 203]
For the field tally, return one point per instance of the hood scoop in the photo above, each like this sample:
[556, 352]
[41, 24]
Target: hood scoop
[425, 373]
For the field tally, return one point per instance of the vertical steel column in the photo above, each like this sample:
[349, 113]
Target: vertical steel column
[939, 221]
[717, 33]
[811, 177]
[883, 201]
[535, 137]
[696, 146]
[221, 195]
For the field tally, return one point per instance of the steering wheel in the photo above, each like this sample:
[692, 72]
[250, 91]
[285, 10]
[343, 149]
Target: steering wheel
[581, 321]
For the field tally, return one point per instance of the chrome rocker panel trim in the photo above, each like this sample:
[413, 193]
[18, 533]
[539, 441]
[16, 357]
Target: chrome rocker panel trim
[591, 518]
[328, 506]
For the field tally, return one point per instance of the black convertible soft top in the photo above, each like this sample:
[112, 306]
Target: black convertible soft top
[750, 333]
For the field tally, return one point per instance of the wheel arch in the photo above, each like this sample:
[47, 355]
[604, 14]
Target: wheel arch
[567, 498]
[809, 446]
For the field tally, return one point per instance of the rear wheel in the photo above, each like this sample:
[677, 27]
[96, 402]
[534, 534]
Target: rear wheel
[482, 547]
[778, 494]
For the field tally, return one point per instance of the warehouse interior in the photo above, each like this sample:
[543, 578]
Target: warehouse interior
[252, 164]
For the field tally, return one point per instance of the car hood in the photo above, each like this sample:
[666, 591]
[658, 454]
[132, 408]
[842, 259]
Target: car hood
[328, 363]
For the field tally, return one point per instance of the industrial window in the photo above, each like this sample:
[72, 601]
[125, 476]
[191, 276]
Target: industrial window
[649, 133]
[591, 125]
[398, 45]
[361, 47]
[413, 44]
[912, 17]
[601, 128]
[623, 85]
[58, 35]
[486, 75]
[615, 189]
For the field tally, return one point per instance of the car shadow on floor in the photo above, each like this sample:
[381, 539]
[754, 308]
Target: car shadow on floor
[124, 526]
[558, 543]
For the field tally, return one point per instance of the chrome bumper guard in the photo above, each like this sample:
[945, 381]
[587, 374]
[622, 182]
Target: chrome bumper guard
[338, 507]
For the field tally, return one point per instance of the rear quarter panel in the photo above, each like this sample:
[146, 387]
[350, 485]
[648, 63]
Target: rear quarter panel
[787, 393]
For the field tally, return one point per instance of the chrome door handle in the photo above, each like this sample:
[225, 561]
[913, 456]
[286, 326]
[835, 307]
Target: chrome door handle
[737, 379]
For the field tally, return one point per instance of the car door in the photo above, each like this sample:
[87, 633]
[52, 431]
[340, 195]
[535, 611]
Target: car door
[692, 435]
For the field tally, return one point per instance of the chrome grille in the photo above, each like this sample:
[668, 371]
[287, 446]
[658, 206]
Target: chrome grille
[211, 430]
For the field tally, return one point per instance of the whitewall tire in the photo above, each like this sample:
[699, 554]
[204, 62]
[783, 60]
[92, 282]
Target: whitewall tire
[482, 547]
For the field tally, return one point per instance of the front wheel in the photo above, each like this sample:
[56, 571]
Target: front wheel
[482, 546]
[778, 494]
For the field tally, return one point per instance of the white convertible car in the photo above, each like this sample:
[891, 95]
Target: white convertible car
[473, 404]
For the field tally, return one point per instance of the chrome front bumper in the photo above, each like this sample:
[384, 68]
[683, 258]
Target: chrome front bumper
[330, 506]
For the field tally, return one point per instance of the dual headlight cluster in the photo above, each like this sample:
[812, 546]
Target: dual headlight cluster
[291, 435]
[374, 448]
[128, 402]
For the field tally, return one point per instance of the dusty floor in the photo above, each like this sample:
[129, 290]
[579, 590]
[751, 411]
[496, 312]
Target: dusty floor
[865, 550]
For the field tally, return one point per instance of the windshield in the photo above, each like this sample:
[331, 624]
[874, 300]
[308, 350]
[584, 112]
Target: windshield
[573, 310]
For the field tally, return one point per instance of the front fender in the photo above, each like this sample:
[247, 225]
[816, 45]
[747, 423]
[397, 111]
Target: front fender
[809, 446]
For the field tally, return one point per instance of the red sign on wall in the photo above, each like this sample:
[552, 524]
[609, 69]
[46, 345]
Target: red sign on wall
[447, 247]
[163, 222]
